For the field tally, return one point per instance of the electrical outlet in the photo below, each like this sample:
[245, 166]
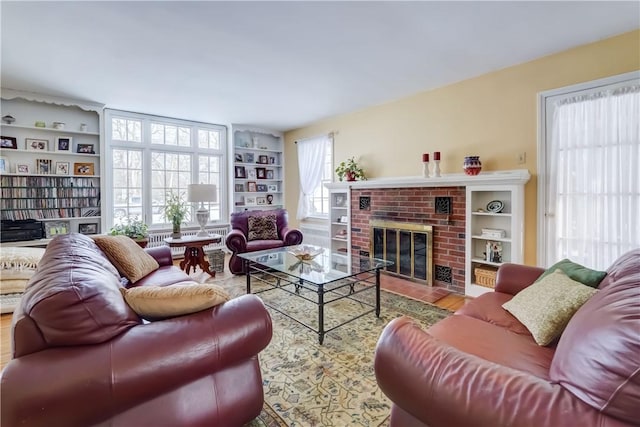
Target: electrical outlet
[522, 158]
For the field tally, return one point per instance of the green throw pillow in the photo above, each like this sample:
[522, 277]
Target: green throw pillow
[577, 272]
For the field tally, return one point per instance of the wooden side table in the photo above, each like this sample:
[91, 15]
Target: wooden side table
[194, 252]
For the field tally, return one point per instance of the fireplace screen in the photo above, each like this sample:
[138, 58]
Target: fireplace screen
[408, 245]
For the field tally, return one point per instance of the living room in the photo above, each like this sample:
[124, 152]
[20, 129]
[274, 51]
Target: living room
[472, 105]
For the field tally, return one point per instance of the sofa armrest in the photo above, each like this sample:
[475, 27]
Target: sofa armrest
[86, 385]
[162, 254]
[442, 386]
[236, 241]
[291, 236]
[512, 278]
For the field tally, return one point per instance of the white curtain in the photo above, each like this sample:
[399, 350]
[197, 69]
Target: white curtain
[311, 154]
[593, 170]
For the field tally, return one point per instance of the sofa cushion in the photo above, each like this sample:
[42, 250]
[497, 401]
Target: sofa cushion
[597, 358]
[488, 308]
[547, 305]
[262, 228]
[160, 302]
[129, 258]
[577, 272]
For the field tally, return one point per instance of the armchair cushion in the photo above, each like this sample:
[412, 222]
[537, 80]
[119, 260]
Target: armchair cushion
[130, 259]
[161, 302]
[262, 228]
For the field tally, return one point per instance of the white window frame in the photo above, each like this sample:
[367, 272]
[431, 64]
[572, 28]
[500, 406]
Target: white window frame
[147, 147]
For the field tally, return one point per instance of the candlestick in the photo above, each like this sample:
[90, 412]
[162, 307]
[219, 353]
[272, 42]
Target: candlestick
[436, 155]
[425, 169]
[436, 171]
[425, 157]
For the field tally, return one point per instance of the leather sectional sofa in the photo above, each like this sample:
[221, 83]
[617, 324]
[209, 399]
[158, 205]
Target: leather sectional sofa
[481, 367]
[83, 357]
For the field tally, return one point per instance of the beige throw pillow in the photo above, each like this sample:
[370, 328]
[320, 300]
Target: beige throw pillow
[546, 307]
[160, 302]
[130, 259]
[262, 228]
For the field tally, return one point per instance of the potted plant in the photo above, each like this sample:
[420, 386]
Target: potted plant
[350, 170]
[177, 212]
[133, 227]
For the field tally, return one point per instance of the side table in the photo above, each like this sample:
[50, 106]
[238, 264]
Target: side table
[194, 252]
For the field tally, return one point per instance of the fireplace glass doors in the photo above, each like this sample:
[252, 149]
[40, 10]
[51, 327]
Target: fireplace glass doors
[408, 246]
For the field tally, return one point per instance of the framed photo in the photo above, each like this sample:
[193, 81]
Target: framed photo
[86, 149]
[240, 188]
[240, 172]
[8, 142]
[340, 200]
[36, 144]
[251, 174]
[270, 174]
[63, 143]
[88, 228]
[250, 200]
[83, 168]
[343, 219]
[62, 168]
[261, 200]
[262, 188]
[272, 187]
[251, 187]
[261, 173]
[4, 165]
[43, 166]
[272, 160]
[263, 159]
[238, 157]
[54, 228]
[240, 201]
[22, 168]
[248, 158]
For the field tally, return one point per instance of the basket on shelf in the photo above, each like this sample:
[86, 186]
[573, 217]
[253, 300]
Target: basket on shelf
[486, 276]
[216, 260]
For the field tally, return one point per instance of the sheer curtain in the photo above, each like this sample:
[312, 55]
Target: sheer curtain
[593, 171]
[311, 154]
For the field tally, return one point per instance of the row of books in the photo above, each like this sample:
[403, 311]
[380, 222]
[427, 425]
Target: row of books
[42, 192]
[48, 213]
[48, 203]
[47, 181]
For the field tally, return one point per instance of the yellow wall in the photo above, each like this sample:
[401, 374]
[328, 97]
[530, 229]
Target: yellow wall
[493, 116]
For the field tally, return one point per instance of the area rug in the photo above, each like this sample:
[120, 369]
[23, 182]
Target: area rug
[308, 384]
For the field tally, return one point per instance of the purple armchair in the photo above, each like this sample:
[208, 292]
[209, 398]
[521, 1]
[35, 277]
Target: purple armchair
[238, 242]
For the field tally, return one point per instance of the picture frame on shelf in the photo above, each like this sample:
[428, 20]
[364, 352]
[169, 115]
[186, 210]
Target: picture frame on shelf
[4, 165]
[238, 157]
[43, 166]
[9, 142]
[63, 144]
[341, 200]
[22, 168]
[240, 172]
[272, 187]
[55, 228]
[262, 159]
[62, 168]
[239, 188]
[88, 228]
[250, 200]
[272, 160]
[262, 188]
[251, 187]
[261, 200]
[248, 158]
[33, 144]
[261, 173]
[270, 174]
[83, 168]
[85, 149]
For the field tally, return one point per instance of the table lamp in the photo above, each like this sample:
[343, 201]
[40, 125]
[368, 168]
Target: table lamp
[201, 193]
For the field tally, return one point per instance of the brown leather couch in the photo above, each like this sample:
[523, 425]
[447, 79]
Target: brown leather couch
[82, 357]
[480, 367]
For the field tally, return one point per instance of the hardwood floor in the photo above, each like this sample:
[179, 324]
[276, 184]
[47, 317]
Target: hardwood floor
[433, 295]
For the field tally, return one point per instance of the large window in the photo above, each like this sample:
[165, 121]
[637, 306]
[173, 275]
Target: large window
[152, 157]
[315, 159]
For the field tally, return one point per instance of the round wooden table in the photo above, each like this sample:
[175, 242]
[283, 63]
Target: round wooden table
[194, 252]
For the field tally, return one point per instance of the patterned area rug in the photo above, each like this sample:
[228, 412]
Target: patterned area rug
[307, 384]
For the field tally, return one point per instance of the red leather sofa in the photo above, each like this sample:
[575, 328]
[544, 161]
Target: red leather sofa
[480, 367]
[237, 240]
[82, 357]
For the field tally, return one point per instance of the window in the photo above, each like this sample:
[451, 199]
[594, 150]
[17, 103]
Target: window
[315, 163]
[320, 197]
[589, 182]
[152, 157]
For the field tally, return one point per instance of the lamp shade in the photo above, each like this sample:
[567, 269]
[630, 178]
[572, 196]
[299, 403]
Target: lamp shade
[201, 193]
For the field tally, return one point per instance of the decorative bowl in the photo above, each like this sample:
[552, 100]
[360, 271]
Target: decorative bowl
[306, 253]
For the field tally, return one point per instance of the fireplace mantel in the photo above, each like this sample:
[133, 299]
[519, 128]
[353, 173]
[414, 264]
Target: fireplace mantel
[507, 177]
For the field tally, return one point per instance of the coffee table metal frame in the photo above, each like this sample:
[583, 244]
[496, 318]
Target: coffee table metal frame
[327, 292]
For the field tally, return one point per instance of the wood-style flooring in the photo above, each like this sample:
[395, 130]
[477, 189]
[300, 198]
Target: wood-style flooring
[434, 295]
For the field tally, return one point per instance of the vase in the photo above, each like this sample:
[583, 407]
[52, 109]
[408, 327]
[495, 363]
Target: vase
[472, 165]
[350, 176]
[142, 242]
[176, 234]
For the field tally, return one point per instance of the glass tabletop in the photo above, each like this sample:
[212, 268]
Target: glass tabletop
[314, 264]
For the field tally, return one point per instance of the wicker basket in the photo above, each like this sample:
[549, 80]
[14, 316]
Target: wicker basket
[216, 260]
[486, 276]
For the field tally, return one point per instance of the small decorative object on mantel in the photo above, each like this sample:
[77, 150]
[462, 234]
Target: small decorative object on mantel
[350, 170]
[40, 124]
[425, 165]
[8, 119]
[58, 125]
[436, 160]
[472, 165]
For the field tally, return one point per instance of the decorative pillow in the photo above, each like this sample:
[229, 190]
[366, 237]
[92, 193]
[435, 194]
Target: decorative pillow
[546, 306]
[262, 228]
[130, 259]
[160, 302]
[577, 272]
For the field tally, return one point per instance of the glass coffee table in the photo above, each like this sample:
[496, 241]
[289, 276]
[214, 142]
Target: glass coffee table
[342, 288]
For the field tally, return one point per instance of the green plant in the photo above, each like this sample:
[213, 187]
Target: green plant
[132, 227]
[350, 170]
[175, 210]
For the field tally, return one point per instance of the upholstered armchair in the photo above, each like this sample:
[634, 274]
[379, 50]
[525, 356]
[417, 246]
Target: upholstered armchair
[258, 230]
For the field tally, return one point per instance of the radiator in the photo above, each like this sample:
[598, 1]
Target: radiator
[156, 238]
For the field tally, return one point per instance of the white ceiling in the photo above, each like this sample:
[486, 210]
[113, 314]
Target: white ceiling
[280, 65]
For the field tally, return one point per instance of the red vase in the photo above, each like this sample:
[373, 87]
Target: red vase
[350, 176]
[472, 165]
